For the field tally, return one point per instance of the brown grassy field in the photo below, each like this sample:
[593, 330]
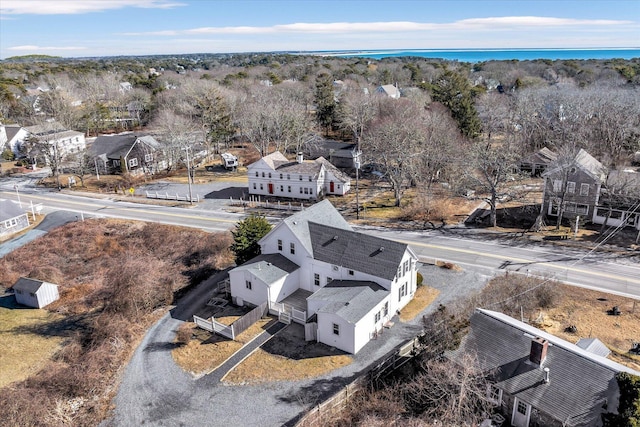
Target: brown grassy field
[109, 272]
[24, 351]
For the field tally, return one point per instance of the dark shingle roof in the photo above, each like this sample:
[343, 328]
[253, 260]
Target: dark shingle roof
[27, 285]
[269, 267]
[9, 209]
[356, 251]
[349, 299]
[113, 146]
[579, 381]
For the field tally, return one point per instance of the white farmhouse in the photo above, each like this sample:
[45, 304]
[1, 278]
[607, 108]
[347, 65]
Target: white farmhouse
[58, 138]
[275, 175]
[344, 286]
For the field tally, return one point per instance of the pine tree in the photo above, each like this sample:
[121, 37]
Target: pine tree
[246, 236]
[454, 91]
[325, 101]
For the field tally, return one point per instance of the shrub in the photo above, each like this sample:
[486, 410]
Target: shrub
[8, 155]
[419, 279]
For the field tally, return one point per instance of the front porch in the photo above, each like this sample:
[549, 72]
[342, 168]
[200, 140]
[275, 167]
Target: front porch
[292, 308]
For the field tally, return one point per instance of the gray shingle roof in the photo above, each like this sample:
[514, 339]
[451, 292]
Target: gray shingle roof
[322, 212]
[269, 267]
[9, 209]
[356, 251]
[579, 381]
[113, 146]
[334, 170]
[584, 161]
[27, 285]
[349, 299]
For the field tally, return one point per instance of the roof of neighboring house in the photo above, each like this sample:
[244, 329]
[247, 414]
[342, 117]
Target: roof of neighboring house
[584, 161]
[350, 299]
[269, 267]
[29, 285]
[308, 167]
[356, 251]
[544, 156]
[45, 129]
[594, 345]
[117, 146]
[579, 380]
[275, 159]
[390, 90]
[12, 131]
[343, 177]
[10, 209]
[322, 212]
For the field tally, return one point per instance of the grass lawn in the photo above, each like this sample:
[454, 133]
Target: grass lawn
[587, 310]
[424, 296]
[24, 352]
[287, 357]
[206, 351]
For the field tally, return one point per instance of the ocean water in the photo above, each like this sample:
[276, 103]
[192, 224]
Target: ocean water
[479, 55]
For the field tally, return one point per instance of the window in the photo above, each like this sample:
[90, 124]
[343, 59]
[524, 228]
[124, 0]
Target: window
[405, 267]
[282, 188]
[279, 244]
[256, 173]
[269, 174]
[584, 189]
[254, 185]
[306, 191]
[311, 191]
[116, 163]
[133, 162]
[309, 178]
[522, 408]
[336, 329]
[582, 209]
[571, 187]
[300, 177]
[386, 308]
[350, 272]
[377, 317]
[300, 190]
[292, 248]
[402, 291]
[399, 273]
[557, 185]
[261, 186]
[289, 188]
[263, 174]
[18, 291]
[148, 158]
[494, 394]
[280, 176]
[247, 284]
[570, 207]
[288, 176]
[316, 279]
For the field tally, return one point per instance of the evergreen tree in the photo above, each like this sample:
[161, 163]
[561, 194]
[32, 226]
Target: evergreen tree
[325, 101]
[454, 91]
[246, 236]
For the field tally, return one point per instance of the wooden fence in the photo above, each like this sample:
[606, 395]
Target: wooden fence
[237, 327]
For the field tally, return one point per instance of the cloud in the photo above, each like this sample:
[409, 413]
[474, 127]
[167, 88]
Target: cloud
[68, 7]
[31, 48]
[477, 24]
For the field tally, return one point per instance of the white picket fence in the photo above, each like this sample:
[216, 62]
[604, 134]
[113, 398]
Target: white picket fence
[287, 313]
[212, 325]
[176, 197]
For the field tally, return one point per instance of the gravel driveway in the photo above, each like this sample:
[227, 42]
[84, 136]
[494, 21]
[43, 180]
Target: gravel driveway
[155, 392]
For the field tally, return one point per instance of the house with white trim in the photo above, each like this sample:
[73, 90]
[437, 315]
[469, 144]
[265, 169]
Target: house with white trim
[12, 137]
[275, 175]
[12, 218]
[314, 269]
[538, 379]
[128, 153]
[57, 138]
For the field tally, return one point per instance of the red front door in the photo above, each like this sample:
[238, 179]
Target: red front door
[270, 188]
[331, 187]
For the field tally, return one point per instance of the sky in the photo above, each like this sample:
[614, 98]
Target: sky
[89, 28]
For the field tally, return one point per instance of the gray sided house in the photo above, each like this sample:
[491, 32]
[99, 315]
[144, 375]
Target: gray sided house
[128, 153]
[572, 187]
[12, 218]
[35, 293]
[537, 379]
[538, 162]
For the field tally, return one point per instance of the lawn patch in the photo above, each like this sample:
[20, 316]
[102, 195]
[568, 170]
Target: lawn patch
[424, 296]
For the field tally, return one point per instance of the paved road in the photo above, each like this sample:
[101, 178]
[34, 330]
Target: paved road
[615, 272]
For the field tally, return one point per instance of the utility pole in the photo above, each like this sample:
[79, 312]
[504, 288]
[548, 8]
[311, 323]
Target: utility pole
[357, 181]
[189, 174]
[95, 163]
[575, 233]
[18, 194]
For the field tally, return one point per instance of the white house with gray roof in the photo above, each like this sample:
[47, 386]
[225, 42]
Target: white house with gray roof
[342, 284]
[274, 175]
[539, 379]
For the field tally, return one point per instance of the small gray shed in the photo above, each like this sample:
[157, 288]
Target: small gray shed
[35, 293]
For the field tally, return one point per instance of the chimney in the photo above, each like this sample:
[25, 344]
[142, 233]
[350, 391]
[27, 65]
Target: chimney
[300, 157]
[546, 375]
[538, 350]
